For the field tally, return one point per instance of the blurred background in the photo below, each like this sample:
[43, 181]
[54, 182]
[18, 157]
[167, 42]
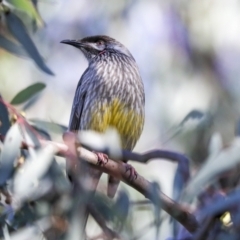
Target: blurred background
[188, 53]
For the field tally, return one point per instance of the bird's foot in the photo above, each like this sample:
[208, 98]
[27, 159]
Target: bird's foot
[102, 158]
[133, 173]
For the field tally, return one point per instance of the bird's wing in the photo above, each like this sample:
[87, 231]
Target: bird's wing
[77, 107]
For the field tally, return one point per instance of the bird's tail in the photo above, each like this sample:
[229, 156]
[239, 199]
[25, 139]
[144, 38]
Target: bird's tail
[112, 186]
[94, 176]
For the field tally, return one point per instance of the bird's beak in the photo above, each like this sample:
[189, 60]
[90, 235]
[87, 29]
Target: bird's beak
[74, 43]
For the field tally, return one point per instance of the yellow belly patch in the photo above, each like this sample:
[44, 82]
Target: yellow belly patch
[128, 122]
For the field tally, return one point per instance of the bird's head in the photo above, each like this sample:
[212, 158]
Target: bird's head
[95, 45]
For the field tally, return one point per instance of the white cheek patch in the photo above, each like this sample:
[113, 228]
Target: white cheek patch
[97, 47]
[93, 45]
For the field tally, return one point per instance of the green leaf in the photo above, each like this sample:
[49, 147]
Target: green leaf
[28, 7]
[18, 30]
[34, 2]
[49, 126]
[27, 93]
[12, 47]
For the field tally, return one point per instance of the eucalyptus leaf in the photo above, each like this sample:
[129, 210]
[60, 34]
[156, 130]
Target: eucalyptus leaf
[18, 30]
[4, 119]
[28, 93]
[193, 121]
[49, 126]
[30, 136]
[193, 115]
[34, 3]
[181, 178]
[42, 132]
[12, 47]
[10, 152]
[26, 181]
[30, 102]
[217, 163]
[29, 8]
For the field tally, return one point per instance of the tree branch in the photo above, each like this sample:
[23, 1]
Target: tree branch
[118, 170]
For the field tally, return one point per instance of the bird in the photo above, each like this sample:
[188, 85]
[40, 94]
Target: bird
[110, 93]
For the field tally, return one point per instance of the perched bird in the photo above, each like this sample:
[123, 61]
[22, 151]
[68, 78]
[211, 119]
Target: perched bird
[110, 93]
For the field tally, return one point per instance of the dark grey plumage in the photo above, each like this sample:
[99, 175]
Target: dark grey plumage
[110, 92]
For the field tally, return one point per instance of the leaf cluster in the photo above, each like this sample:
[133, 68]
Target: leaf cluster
[18, 18]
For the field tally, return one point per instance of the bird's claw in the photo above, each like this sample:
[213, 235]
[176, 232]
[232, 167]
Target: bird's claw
[102, 158]
[133, 173]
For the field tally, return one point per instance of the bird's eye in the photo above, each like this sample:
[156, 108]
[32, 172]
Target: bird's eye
[100, 43]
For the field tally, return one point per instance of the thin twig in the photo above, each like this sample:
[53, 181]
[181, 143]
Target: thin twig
[140, 202]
